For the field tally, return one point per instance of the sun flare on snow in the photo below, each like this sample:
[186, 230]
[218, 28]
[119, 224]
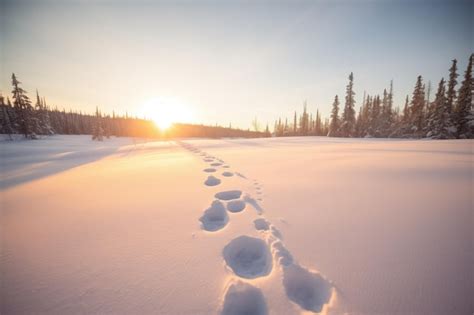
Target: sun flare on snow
[166, 111]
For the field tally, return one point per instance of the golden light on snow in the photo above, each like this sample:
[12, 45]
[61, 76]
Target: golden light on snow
[166, 111]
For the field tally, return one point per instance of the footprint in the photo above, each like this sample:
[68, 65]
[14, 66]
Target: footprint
[209, 170]
[216, 163]
[240, 175]
[235, 205]
[254, 203]
[228, 195]
[208, 160]
[248, 257]
[261, 224]
[227, 174]
[226, 166]
[215, 217]
[307, 289]
[243, 298]
[212, 181]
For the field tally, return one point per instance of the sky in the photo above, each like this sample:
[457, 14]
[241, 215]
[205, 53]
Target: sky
[227, 61]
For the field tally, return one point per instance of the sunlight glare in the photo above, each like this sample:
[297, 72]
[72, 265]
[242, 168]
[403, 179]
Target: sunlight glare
[166, 111]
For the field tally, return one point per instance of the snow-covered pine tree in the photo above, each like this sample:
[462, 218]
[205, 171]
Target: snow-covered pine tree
[38, 123]
[386, 115]
[334, 124]
[23, 109]
[98, 131]
[318, 124]
[440, 125]
[417, 108]
[365, 119]
[375, 117]
[463, 115]
[304, 121]
[47, 127]
[348, 116]
[12, 115]
[451, 92]
[5, 121]
[295, 124]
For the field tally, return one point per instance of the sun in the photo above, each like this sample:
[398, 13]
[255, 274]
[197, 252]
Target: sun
[166, 111]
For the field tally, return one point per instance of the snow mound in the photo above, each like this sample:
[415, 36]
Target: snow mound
[261, 224]
[228, 195]
[212, 181]
[282, 255]
[243, 298]
[235, 205]
[276, 232]
[215, 217]
[248, 257]
[307, 289]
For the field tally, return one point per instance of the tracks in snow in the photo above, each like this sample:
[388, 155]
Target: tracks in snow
[250, 257]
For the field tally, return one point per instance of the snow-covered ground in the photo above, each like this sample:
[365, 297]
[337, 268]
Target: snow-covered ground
[278, 226]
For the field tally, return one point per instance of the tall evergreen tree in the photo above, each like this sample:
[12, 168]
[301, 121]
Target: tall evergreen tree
[23, 109]
[348, 116]
[417, 107]
[295, 124]
[440, 125]
[451, 92]
[304, 122]
[5, 121]
[334, 124]
[463, 112]
[98, 132]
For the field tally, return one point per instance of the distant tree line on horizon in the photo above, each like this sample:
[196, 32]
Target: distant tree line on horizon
[21, 117]
[450, 115]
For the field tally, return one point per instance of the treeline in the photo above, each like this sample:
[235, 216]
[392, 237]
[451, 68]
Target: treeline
[450, 115]
[303, 125]
[20, 116]
[202, 131]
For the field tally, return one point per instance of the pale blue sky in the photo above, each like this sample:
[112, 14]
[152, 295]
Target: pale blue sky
[228, 61]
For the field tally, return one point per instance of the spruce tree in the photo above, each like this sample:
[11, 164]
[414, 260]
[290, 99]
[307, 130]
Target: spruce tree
[98, 131]
[334, 124]
[348, 116]
[417, 108]
[365, 117]
[463, 112]
[451, 92]
[5, 121]
[304, 122]
[23, 109]
[440, 125]
[295, 125]
[375, 117]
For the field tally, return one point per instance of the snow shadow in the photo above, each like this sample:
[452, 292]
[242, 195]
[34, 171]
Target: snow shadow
[27, 161]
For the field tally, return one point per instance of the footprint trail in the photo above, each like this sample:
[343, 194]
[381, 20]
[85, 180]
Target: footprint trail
[249, 257]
